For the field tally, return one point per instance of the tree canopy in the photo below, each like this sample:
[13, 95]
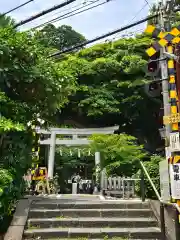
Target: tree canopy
[112, 89]
[6, 21]
[30, 84]
[59, 37]
[102, 85]
[120, 153]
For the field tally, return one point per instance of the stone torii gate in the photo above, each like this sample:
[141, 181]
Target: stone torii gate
[76, 137]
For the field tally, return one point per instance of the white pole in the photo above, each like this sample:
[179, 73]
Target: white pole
[51, 155]
[97, 166]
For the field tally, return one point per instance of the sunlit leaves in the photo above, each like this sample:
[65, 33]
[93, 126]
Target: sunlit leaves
[29, 77]
[132, 64]
[99, 102]
[60, 38]
[7, 125]
[120, 153]
[110, 86]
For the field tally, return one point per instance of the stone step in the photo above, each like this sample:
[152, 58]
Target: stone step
[59, 204]
[91, 222]
[132, 233]
[113, 238]
[46, 213]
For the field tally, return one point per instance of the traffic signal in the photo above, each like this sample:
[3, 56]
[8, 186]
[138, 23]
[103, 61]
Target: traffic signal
[153, 86]
[153, 65]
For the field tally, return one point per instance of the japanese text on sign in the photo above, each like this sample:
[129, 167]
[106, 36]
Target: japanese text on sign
[174, 142]
[174, 118]
[175, 180]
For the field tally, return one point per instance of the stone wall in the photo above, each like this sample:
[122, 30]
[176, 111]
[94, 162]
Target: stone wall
[16, 228]
[169, 215]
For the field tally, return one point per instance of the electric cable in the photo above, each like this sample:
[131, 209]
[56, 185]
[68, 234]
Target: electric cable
[139, 11]
[84, 10]
[30, 19]
[137, 14]
[65, 10]
[148, 3]
[130, 34]
[70, 14]
[13, 9]
[104, 35]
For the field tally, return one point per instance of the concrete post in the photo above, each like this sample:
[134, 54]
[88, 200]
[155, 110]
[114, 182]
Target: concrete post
[74, 188]
[51, 155]
[102, 179]
[97, 166]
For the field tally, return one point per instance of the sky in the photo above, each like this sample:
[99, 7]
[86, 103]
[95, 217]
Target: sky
[98, 21]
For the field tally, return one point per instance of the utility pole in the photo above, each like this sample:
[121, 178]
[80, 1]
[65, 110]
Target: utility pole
[165, 26]
[168, 70]
[170, 168]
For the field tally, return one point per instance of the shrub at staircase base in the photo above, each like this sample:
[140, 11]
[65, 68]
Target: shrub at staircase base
[152, 167]
[14, 161]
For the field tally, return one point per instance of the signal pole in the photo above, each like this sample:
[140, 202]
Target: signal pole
[171, 117]
[164, 74]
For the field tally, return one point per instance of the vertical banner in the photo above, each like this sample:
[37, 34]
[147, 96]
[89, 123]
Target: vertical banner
[175, 180]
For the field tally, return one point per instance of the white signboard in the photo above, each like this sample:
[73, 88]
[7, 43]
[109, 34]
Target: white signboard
[174, 142]
[175, 180]
[164, 180]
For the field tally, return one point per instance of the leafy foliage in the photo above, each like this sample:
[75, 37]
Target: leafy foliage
[119, 153]
[152, 167]
[101, 85]
[30, 83]
[110, 89]
[6, 21]
[28, 77]
[15, 159]
[60, 38]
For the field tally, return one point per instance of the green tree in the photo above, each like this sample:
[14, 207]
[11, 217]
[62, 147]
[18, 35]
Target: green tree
[152, 167]
[30, 84]
[61, 37]
[111, 89]
[29, 79]
[6, 21]
[120, 154]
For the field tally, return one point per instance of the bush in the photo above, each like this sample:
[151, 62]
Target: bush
[15, 159]
[152, 167]
[120, 153]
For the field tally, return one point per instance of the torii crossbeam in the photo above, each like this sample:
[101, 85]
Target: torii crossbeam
[76, 137]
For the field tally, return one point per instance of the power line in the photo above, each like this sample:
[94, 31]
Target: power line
[108, 34]
[43, 13]
[126, 35]
[86, 9]
[65, 15]
[65, 10]
[137, 13]
[69, 14]
[148, 3]
[13, 9]
[104, 35]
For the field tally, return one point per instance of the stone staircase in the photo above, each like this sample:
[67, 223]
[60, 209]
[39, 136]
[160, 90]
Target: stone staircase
[91, 218]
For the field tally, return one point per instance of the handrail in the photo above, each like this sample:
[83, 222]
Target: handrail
[172, 204]
[151, 182]
[156, 191]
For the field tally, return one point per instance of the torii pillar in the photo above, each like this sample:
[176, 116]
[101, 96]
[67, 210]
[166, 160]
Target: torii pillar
[51, 156]
[98, 169]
